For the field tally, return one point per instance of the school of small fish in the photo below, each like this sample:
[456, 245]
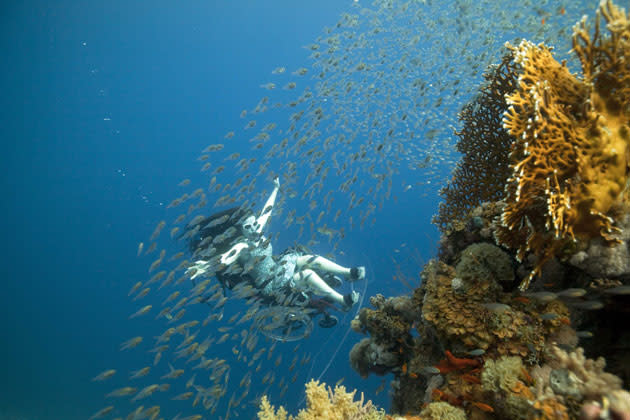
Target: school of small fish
[370, 117]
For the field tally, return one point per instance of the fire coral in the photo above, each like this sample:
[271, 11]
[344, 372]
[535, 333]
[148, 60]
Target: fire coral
[570, 157]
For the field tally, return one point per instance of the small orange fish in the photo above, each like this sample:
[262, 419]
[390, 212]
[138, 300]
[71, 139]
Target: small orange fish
[527, 376]
[437, 394]
[522, 299]
[484, 407]
[471, 379]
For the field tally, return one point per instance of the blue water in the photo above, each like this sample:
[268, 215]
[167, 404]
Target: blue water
[106, 105]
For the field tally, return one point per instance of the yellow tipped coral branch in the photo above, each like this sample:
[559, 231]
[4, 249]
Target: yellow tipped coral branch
[325, 403]
[571, 150]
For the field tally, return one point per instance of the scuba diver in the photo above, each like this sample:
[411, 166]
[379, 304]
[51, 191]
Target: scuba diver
[237, 250]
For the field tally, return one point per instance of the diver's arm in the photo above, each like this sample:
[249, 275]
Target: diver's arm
[230, 256]
[266, 211]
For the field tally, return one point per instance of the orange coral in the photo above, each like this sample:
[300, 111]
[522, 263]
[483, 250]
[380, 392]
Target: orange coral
[522, 390]
[571, 155]
[550, 409]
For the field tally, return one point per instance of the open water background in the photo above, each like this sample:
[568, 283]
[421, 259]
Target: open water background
[105, 106]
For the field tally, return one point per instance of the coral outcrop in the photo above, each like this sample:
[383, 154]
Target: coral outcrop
[389, 325]
[533, 261]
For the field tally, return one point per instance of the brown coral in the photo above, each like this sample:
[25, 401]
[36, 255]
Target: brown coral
[484, 144]
[389, 326]
[461, 318]
[390, 321]
[454, 315]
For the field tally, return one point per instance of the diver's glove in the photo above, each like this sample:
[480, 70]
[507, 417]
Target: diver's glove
[357, 273]
[199, 268]
[232, 255]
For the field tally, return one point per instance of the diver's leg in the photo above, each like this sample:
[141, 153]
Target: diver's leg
[320, 263]
[309, 280]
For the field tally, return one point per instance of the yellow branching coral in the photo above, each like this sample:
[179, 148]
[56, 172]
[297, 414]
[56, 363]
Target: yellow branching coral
[570, 158]
[324, 403]
[268, 411]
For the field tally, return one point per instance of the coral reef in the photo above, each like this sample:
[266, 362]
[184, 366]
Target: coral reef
[325, 403]
[523, 265]
[389, 326]
[483, 349]
[531, 252]
[560, 156]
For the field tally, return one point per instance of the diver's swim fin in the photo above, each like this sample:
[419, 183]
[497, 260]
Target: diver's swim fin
[357, 273]
[328, 321]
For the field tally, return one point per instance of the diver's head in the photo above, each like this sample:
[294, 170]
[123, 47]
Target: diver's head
[249, 227]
